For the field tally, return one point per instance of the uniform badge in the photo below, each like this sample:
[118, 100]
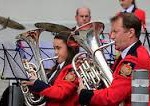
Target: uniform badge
[70, 76]
[126, 70]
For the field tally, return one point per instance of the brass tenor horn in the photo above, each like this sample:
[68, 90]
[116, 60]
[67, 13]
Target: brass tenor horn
[91, 65]
[32, 39]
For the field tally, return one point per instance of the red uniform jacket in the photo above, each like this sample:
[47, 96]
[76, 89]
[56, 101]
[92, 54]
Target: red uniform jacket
[62, 92]
[141, 15]
[120, 89]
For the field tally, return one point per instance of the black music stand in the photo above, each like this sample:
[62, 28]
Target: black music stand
[146, 38]
[13, 70]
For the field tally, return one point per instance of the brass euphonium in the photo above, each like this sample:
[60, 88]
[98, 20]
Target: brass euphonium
[91, 65]
[32, 39]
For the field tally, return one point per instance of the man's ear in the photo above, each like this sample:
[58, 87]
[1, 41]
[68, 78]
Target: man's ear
[75, 17]
[131, 32]
[90, 17]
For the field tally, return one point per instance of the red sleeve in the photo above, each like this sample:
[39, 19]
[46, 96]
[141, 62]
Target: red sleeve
[119, 90]
[62, 88]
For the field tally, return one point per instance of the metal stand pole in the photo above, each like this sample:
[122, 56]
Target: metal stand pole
[146, 38]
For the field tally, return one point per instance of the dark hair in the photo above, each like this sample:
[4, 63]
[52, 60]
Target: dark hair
[73, 50]
[129, 21]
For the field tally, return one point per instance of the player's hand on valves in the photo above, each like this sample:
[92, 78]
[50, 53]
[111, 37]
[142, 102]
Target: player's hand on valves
[32, 78]
[81, 86]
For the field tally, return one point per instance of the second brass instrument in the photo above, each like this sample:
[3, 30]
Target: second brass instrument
[91, 65]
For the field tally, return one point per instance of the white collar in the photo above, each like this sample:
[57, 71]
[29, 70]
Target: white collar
[129, 9]
[77, 27]
[125, 51]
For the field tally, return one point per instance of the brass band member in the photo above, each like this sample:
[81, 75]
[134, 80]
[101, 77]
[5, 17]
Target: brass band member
[83, 16]
[125, 31]
[63, 83]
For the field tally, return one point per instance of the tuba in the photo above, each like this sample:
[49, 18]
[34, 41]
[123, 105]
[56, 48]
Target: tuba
[32, 39]
[91, 65]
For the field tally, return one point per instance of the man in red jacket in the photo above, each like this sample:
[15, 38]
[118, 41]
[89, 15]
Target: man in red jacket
[125, 31]
[129, 6]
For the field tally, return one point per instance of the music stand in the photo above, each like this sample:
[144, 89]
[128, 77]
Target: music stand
[146, 38]
[13, 68]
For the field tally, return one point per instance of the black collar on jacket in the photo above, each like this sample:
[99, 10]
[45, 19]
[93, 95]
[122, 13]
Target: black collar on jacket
[134, 9]
[73, 29]
[132, 50]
